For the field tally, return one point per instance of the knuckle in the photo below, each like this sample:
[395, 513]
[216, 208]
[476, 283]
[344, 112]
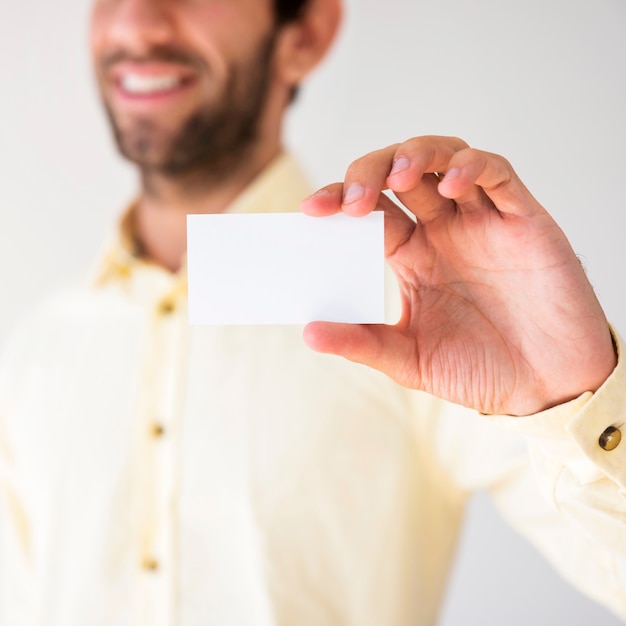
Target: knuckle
[460, 144]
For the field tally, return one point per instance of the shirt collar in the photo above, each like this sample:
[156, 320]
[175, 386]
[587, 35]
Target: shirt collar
[277, 189]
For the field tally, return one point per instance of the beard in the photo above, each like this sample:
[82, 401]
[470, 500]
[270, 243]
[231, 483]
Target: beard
[211, 138]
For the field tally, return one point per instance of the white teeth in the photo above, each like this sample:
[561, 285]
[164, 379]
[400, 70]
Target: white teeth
[139, 84]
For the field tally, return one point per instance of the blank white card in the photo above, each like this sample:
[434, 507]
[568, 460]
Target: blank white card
[285, 268]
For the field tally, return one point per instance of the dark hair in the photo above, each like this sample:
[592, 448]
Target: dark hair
[288, 10]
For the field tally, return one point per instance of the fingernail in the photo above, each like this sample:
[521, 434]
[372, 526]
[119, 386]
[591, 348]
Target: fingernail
[319, 193]
[353, 193]
[452, 174]
[399, 165]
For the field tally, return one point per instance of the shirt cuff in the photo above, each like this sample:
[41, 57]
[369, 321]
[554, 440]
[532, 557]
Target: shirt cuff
[570, 433]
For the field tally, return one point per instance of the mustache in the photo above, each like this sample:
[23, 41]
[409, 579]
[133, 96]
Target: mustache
[171, 54]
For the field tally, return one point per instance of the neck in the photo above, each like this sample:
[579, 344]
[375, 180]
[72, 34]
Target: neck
[165, 200]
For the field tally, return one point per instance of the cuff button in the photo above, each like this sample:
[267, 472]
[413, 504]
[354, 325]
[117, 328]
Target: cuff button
[610, 438]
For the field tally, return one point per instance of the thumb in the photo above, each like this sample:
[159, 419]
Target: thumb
[379, 346]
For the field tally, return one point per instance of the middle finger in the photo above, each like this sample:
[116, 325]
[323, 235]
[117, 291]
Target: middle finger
[414, 174]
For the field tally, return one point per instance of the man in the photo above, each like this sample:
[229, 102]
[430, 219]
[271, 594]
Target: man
[157, 474]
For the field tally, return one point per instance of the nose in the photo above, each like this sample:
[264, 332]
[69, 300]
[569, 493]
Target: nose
[137, 26]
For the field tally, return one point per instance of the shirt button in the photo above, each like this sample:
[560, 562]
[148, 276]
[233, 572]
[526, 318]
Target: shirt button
[150, 564]
[610, 438]
[167, 306]
[157, 430]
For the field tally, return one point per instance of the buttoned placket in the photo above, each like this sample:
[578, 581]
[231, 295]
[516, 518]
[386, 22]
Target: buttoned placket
[162, 385]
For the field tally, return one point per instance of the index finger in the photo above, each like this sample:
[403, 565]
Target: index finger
[358, 195]
[401, 168]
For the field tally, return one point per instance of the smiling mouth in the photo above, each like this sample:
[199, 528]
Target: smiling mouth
[143, 85]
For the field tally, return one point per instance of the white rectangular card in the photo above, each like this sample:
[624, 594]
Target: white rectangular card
[285, 268]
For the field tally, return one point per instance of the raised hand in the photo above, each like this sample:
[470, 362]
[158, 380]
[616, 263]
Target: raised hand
[498, 314]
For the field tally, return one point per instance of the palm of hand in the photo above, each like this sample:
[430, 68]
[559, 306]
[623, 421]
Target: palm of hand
[476, 290]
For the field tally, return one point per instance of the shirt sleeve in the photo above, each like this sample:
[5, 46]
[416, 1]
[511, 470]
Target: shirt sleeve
[578, 519]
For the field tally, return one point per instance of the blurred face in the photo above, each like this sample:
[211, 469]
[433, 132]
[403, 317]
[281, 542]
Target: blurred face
[184, 82]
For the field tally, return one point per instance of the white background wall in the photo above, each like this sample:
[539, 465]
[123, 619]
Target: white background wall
[540, 81]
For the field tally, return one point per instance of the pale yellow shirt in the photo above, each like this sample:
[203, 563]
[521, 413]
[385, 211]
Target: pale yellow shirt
[157, 474]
